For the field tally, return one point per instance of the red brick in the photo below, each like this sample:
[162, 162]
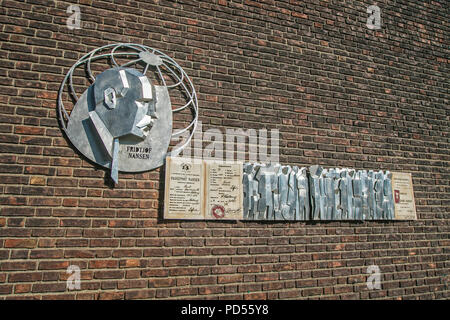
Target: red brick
[251, 70]
[102, 264]
[25, 277]
[20, 243]
[111, 295]
[113, 274]
[46, 254]
[16, 266]
[53, 265]
[49, 287]
[6, 289]
[22, 288]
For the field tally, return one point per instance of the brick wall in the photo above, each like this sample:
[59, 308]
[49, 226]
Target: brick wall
[340, 94]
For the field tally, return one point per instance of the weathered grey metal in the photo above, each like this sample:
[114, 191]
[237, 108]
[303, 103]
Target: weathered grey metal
[357, 196]
[115, 161]
[267, 177]
[378, 186]
[303, 207]
[348, 177]
[314, 185]
[331, 206]
[292, 195]
[337, 209]
[99, 115]
[371, 195]
[275, 192]
[150, 58]
[388, 203]
[365, 215]
[248, 182]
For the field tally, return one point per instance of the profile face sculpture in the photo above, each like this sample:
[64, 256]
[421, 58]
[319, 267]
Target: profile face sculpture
[124, 102]
[123, 120]
[124, 106]
[112, 121]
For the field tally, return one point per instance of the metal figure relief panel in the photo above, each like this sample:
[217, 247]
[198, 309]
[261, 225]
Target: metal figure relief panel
[347, 194]
[276, 192]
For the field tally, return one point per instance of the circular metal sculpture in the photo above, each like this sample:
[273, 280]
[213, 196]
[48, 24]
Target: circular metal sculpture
[123, 120]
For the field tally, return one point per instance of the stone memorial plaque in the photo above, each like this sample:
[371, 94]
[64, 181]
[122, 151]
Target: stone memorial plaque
[217, 190]
[198, 190]
[402, 189]
[223, 190]
[183, 197]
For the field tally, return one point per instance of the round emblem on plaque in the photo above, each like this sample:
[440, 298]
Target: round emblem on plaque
[218, 211]
[123, 120]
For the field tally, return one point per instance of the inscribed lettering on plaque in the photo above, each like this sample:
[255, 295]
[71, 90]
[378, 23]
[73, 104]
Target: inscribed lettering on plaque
[223, 190]
[183, 197]
[197, 189]
[402, 190]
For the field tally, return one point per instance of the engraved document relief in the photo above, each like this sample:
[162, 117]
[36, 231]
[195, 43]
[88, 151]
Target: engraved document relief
[183, 196]
[223, 190]
[402, 189]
